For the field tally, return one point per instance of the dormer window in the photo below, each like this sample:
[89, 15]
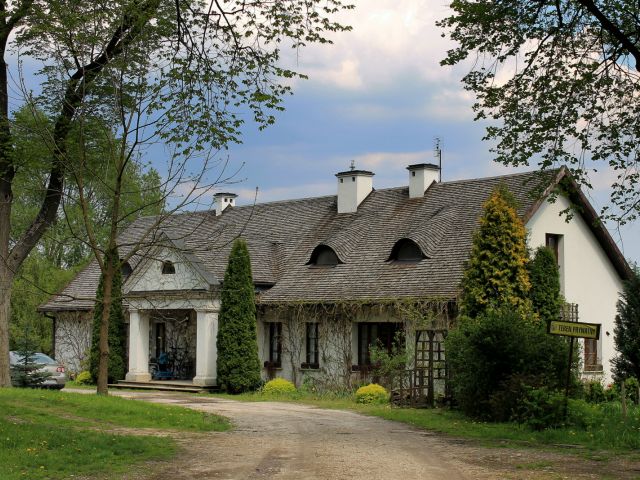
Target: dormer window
[125, 270]
[168, 268]
[324, 256]
[406, 251]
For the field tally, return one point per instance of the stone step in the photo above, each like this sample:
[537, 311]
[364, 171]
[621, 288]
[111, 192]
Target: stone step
[164, 386]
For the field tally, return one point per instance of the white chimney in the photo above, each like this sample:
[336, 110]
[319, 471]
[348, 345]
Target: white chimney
[224, 200]
[421, 176]
[353, 187]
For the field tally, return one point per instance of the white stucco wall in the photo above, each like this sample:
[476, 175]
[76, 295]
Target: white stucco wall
[588, 277]
[73, 339]
[149, 276]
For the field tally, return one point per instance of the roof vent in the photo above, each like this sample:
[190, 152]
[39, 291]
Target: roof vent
[353, 187]
[421, 176]
[224, 200]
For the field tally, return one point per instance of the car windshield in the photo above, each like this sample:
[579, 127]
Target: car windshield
[39, 358]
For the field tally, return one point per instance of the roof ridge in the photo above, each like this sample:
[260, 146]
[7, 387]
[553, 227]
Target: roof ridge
[507, 175]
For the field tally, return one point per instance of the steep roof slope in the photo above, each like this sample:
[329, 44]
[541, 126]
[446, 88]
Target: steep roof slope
[282, 235]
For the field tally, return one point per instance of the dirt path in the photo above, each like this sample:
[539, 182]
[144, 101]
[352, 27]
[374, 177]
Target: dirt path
[288, 441]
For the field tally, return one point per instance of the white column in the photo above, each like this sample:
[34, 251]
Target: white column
[138, 347]
[206, 349]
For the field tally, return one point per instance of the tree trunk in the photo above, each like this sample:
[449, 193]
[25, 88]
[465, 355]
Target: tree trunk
[6, 278]
[103, 363]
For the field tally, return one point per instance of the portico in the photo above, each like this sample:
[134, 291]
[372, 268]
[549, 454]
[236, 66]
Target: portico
[140, 337]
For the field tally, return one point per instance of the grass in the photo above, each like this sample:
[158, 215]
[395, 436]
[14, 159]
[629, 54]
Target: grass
[53, 435]
[602, 428]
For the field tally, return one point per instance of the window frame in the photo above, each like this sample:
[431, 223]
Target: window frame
[168, 268]
[366, 335]
[320, 250]
[312, 346]
[274, 354]
[402, 244]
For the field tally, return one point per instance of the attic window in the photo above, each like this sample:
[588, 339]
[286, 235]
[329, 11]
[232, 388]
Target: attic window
[126, 270]
[407, 251]
[168, 268]
[324, 256]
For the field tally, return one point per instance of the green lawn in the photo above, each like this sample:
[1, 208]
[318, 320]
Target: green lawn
[608, 432]
[52, 435]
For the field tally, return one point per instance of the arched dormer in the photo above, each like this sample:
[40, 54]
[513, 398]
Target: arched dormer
[323, 256]
[126, 270]
[168, 268]
[407, 251]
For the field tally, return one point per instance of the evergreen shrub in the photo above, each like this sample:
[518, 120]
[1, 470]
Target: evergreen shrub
[237, 342]
[627, 331]
[494, 360]
[279, 386]
[372, 393]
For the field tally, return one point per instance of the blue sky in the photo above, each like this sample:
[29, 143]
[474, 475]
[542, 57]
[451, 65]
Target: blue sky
[377, 96]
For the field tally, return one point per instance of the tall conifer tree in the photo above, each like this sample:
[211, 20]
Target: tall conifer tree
[238, 364]
[627, 331]
[496, 273]
[545, 285]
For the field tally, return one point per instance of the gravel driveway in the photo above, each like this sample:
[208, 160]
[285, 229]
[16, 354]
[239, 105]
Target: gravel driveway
[289, 441]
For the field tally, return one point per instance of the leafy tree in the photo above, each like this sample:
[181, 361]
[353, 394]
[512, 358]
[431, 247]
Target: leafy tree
[627, 331]
[117, 334]
[560, 79]
[36, 279]
[195, 68]
[238, 363]
[545, 294]
[496, 272]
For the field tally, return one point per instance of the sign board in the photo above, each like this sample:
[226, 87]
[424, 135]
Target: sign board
[574, 329]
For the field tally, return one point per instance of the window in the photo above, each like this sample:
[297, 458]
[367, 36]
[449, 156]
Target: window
[312, 358]
[406, 250]
[591, 360]
[553, 242]
[168, 268]
[324, 256]
[382, 334]
[125, 270]
[275, 345]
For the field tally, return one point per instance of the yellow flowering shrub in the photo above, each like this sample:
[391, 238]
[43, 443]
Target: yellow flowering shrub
[372, 393]
[279, 386]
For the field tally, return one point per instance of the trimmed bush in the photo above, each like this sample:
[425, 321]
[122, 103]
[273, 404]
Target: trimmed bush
[279, 386]
[84, 378]
[372, 393]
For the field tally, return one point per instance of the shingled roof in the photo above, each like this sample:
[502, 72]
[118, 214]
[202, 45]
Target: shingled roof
[282, 235]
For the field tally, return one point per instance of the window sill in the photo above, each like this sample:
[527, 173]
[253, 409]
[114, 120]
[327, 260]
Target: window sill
[310, 366]
[593, 369]
[272, 365]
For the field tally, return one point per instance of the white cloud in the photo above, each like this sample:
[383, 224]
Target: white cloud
[391, 40]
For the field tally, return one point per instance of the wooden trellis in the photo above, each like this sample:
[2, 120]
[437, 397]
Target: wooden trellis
[416, 387]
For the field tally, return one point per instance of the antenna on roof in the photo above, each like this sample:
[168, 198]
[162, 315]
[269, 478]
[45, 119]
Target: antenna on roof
[437, 152]
[353, 165]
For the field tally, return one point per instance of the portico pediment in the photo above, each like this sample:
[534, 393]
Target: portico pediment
[166, 269]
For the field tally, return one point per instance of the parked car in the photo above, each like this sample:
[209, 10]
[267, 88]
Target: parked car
[57, 375]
